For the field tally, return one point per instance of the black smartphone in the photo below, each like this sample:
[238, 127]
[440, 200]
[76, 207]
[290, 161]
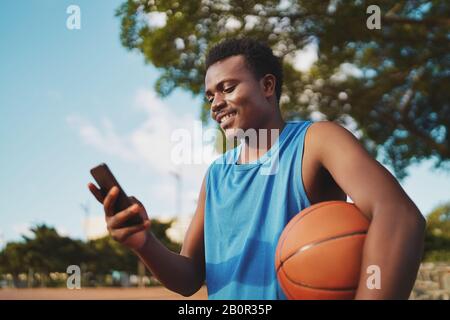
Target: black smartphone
[106, 180]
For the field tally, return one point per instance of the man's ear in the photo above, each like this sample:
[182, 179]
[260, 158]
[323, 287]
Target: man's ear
[268, 85]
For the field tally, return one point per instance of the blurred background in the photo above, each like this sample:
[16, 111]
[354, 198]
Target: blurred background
[84, 82]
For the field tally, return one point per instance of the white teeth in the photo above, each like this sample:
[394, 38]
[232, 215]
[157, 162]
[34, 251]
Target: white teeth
[227, 116]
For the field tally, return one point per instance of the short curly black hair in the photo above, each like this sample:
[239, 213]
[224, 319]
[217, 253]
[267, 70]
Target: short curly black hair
[259, 58]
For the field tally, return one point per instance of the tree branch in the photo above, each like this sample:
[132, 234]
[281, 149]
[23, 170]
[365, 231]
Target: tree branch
[441, 148]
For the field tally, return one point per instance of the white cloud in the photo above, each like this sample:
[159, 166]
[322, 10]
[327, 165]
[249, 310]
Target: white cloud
[150, 145]
[104, 138]
[304, 58]
[165, 191]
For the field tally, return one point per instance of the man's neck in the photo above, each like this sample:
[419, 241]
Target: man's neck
[266, 136]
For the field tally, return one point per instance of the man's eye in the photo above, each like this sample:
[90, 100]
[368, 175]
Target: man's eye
[229, 89]
[226, 90]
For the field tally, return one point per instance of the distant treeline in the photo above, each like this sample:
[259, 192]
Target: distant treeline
[47, 253]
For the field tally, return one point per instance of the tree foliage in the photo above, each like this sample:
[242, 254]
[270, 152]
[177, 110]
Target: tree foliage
[391, 84]
[46, 251]
[437, 237]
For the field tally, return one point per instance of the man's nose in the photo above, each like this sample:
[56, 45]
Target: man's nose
[218, 103]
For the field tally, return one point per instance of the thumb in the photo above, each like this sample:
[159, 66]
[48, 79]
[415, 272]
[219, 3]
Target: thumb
[134, 200]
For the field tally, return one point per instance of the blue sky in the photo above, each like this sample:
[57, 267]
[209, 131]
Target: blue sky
[70, 99]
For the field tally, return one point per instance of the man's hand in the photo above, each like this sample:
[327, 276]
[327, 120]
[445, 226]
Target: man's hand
[134, 237]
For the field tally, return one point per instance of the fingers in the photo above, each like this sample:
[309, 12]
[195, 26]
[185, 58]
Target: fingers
[96, 192]
[118, 220]
[134, 200]
[116, 223]
[122, 234]
[143, 212]
[109, 201]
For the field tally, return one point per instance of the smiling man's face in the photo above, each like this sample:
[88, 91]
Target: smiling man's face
[238, 100]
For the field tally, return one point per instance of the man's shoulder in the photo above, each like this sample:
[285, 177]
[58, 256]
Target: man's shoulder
[321, 132]
[324, 127]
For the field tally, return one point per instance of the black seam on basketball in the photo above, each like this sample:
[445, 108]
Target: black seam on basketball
[300, 218]
[315, 288]
[319, 205]
[313, 244]
[286, 291]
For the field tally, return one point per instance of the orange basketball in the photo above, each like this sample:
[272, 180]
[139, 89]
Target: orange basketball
[319, 252]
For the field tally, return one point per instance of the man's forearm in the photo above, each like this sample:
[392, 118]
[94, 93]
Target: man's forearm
[394, 245]
[176, 272]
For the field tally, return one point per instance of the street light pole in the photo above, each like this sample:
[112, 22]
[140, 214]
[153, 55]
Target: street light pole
[177, 177]
[85, 207]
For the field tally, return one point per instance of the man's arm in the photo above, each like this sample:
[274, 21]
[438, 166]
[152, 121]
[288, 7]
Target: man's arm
[183, 273]
[395, 238]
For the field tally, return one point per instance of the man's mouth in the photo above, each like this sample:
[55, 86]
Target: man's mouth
[226, 120]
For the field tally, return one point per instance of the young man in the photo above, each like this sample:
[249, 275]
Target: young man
[250, 193]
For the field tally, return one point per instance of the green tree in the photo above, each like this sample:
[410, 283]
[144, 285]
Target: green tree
[46, 251]
[437, 237]
[159, 229]
[108, 255]
[11, 259]
[392, 82]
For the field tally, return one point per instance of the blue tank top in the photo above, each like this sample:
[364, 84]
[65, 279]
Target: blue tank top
[247, 207]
